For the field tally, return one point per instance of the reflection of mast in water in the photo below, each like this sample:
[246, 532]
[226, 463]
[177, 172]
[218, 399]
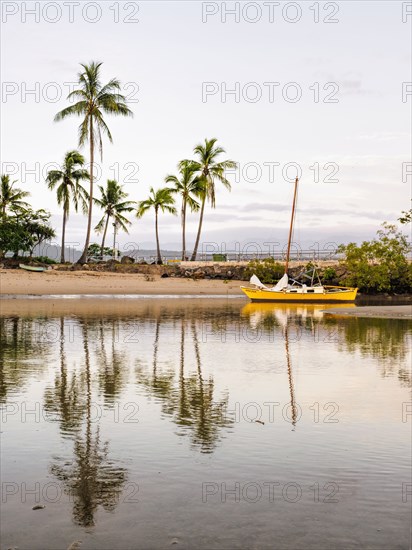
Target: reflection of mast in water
[290, 378]
[269, 316]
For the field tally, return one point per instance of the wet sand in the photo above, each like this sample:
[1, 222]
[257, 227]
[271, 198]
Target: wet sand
[377, 312]
[93, 306]
[19, 282]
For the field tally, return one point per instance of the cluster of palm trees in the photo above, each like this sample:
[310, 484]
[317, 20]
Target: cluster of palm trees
[69, 189]
[195, 181]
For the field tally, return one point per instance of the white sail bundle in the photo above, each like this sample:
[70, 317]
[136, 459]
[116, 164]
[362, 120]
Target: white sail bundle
[255, 281]
[280, 285]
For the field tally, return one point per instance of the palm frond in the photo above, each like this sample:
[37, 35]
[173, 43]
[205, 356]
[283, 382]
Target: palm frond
[77, 109]
[101, 225]
[69, 179]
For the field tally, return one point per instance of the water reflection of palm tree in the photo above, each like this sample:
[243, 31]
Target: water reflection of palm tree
[64, 400]
[112, 369]
[22, 352]
[90, 477]
[161, 383]
[184, 408]
[190, 402]
[209, 415]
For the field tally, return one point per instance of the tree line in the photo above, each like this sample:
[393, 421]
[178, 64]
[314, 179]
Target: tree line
[194, 182]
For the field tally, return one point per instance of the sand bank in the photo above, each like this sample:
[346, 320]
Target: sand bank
[377, 312]
[19, 282]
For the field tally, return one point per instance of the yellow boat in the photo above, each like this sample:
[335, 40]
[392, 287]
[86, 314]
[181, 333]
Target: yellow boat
[292, 290]
[317, 294]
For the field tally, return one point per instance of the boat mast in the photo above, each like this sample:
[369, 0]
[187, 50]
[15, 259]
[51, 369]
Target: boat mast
[292, 219]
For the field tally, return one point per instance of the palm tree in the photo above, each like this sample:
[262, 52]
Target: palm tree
[95, 99]
[113, 206]
[69, 187]
[11, 197]
[163, 200]
[210, 170]
[189, 186]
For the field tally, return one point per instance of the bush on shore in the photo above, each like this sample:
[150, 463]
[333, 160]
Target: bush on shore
[379, 265]
[267, 270]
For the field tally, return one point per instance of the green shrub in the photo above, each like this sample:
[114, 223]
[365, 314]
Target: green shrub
[95, 249]
[45, 260]
[380, 265]
[268, 270]
[328, 275]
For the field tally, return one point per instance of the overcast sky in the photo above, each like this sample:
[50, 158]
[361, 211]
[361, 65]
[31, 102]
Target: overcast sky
[332, 95]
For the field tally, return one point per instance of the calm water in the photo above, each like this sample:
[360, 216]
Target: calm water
[158, 423]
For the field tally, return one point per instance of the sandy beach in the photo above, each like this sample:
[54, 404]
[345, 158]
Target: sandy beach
[19, 282]
[375, 312]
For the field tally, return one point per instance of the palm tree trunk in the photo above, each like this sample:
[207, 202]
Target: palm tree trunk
[184, 231]
[104, 235]
[3, 215]
[63, 235]
[199, 230]
[159, 257]
[83, 257]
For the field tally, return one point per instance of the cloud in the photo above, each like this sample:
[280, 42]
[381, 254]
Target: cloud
[317, 211]
[350, 83]
[383, 136]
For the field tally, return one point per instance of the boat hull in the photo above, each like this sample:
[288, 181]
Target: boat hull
[32, 268]
[261, 295]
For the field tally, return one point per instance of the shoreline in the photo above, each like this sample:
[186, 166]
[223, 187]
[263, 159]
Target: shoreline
[18, 287]
[61, 283]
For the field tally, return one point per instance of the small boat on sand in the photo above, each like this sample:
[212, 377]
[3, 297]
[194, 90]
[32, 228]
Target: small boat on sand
[288, 289]
[32, 267]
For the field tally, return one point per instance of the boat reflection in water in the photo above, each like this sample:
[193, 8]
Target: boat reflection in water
[367, 336]
[283, 317]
